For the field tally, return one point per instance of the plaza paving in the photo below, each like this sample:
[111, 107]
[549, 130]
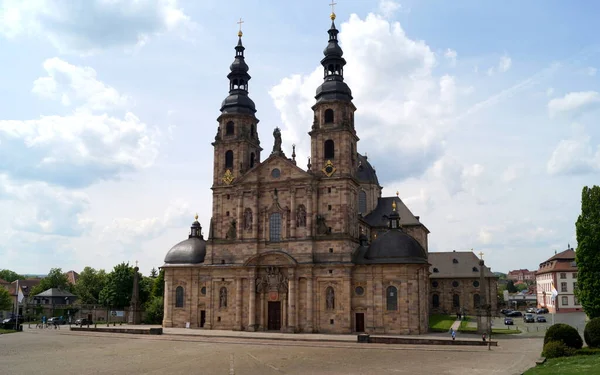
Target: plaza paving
[64, 352]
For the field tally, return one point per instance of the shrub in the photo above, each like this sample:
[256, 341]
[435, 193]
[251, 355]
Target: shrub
[591, 333]
[555, 349]
[564, 333]
[588, 351]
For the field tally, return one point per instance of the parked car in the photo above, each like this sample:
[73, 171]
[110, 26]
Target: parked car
[83, 322]
[542, 310]
[529, 318]
[532, 310]
[56, 320]
[508, 321]
[506, 311]
[514, 314]
[540, 319]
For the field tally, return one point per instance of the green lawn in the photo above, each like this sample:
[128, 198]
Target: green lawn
[495, 331]
[441, 323]
[2, 330]
[581, 364]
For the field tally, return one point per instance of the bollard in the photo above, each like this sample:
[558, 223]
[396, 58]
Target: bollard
[95, 325]
[114, 324]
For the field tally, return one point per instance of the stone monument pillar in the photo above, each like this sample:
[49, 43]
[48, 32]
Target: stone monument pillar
[135, 313]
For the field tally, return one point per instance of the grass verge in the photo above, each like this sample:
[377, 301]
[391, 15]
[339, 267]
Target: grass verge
[441, 323]
[2, 330]
[581, 364]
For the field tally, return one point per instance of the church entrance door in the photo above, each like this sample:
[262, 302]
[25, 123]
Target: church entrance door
[202, 317]
[360, 322]
[274, 323]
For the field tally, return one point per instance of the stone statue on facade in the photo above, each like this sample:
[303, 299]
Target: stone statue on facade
[248, 219]
[330, 299]
[277, 143]
[301, 216]
[322, 227]
[232, 232]
[223, 297]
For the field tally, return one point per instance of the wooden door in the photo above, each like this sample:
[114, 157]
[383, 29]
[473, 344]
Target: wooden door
[274, 316]
[360, 322]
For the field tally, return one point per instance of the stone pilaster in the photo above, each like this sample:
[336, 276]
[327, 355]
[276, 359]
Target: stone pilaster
[238, 304]
[252, 301]
[240, 214]
[309, 303]
[293, 212]
[209, 305]
[168, 315]
[292, 282]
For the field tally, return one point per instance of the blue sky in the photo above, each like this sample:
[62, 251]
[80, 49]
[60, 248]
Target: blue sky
[481, 114]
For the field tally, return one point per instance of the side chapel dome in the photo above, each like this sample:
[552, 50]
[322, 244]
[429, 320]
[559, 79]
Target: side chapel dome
[190, 251]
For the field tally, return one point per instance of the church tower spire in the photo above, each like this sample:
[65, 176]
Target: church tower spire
[333, 138]
[237, 146]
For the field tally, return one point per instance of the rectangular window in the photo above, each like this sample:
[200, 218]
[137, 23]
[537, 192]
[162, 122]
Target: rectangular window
[574, 287]
[563, 287]
[563, 275]
[575, 275]
[275, 227]
[565, 300]
[576, 301]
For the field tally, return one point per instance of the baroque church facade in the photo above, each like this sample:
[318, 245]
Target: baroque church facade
[299, 250]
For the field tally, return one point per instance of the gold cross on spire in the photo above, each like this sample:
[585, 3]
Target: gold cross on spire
[240, 22]
[332, 5]
[481, 254]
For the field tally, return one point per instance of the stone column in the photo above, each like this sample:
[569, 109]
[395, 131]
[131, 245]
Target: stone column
[370, 318]
[238, 304]
[284, 321]
[168, 318]
[240, 214]
[379, 306]
[348, 290]
[252, 301]
[311, 211]
[262, 320]
[293, 212]
[309, 303]
[255, 215]
[292, 282]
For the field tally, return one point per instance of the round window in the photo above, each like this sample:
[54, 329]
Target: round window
[275, 173]
[203, 290]
[359, 291]
[455, 284]
[476, 284]
[434, 284]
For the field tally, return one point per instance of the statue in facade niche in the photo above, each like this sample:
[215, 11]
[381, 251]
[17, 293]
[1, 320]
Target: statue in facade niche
[301, 216]
[322, 227]
[330, 298]
[223, 297]
[232, 232]
[248, 219]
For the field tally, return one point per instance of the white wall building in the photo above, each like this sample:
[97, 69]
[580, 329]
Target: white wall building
[560, 271]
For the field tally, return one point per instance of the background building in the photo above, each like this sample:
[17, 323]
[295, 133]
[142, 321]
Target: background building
[560, 271]
[455, 284]
[521, 275]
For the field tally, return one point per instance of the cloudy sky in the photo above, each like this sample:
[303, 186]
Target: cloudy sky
[480, 113]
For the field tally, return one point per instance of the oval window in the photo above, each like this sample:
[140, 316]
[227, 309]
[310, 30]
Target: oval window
[275, 173]
[359, 290]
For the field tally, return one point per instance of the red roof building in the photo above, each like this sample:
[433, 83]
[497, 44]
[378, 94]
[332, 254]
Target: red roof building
[560, 273]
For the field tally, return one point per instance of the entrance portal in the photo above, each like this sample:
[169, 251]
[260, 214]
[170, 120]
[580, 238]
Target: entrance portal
[274, 317]
[360, 322]
[202, 318]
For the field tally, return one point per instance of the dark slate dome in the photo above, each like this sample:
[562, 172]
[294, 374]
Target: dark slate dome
[395, 246]
[190, 251]
[238, 103]
[334, 90]
[365, 172]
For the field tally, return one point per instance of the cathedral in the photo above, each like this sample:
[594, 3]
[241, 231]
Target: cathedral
[299, 250]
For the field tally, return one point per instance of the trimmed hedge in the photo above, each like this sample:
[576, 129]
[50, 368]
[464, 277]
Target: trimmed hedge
[555, 349]
[591, 333]
[564, 333]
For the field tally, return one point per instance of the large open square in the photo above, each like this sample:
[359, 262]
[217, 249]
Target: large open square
[64, 352]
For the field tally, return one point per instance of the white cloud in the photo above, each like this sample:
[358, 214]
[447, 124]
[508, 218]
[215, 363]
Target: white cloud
[591, 71]
[574, 156]
[451, 55]
[504, 64]
[388, 7]
[74, 85]
[380, 58]
[573, 101]
[91, 25]
[513, 172]
[128, 231]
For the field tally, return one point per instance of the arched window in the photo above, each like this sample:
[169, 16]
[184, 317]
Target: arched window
[362, 202]
[328, 116]
[252, 130]
[229, 128]
[456, 300]
[252, 159]
[229, 159]
[391, 294]
[179, 296]
[329, 149]
[275, 227]
[476, 300]
[223, 297]
[435, 300]
[330, 298]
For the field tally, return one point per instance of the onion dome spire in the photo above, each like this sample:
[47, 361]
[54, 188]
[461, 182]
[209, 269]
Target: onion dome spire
[333, 87]
[238, 100]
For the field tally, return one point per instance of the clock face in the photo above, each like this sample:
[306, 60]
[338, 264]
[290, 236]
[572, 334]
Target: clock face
[329, 169]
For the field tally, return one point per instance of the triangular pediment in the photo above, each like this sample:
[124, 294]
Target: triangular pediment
[264, 172]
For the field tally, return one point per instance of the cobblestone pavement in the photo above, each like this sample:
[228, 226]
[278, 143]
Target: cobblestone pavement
[63, 352]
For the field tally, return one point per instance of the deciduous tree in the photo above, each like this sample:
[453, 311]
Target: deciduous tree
[587, 255]
[119, 286]
[10, 276]
[55, 279]
[158, 289]
[6, 300]
[89, 285]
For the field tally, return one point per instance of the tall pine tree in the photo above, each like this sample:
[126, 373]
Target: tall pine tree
[587, 255]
